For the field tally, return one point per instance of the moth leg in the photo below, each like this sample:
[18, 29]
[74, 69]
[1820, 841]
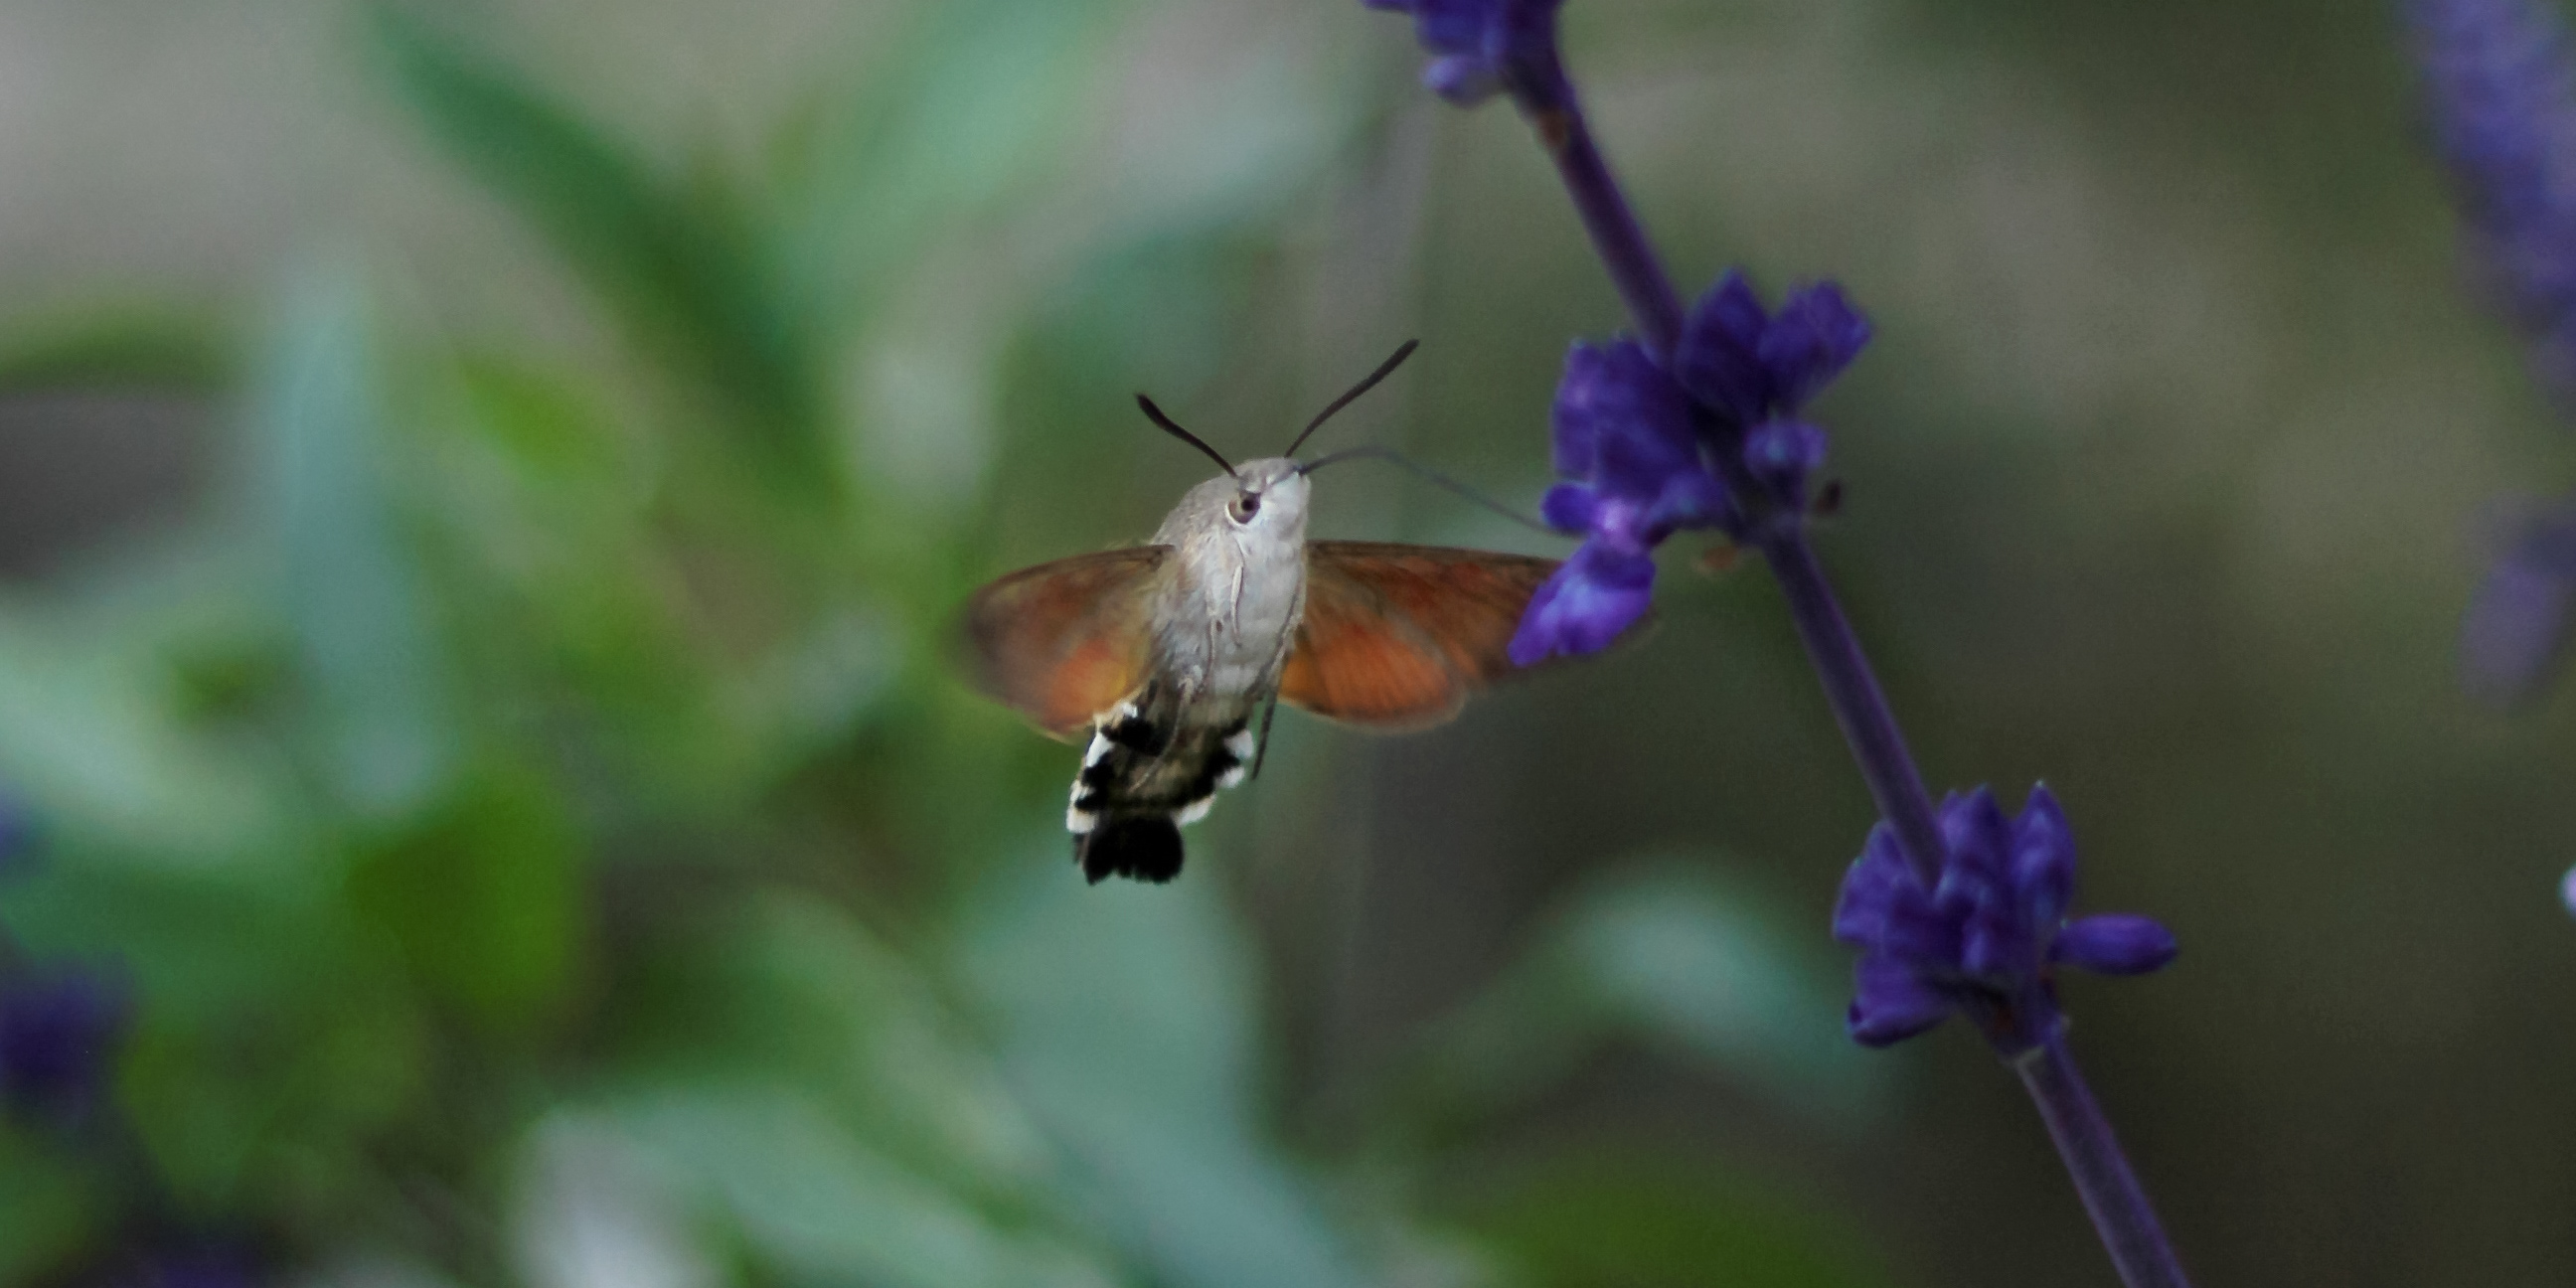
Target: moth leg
[1261, 748]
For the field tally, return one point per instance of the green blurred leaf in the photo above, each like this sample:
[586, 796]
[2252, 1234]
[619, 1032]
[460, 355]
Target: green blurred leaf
[809, 692]
[272, 1105]
[371, 667]
[93, 730]
[484, 897]
[1127, 1019]
[553, 429]
[1729, 974]
[201, 942]
[45, 1206]
[677, 266]
[122, 348]
[794, 991]
[1638, 1221]
[824, 1207]
[1669, 951]
[274, 1035]
[972, 101]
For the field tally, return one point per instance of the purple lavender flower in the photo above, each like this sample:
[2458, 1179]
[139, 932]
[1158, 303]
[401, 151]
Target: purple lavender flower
[1481, 47]
[183, 1260]
[1629, 435]
[2501, 88]
[1599, 593]
[1761, 369]
[58, 1033]
[1624, 433]
[1987, 939]
[203, 1267]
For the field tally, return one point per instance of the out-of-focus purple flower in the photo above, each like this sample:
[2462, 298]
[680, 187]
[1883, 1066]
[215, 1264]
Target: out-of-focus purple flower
[1625, 440]
[1987, 939]
[181, 1261]
[2500, 85]
[196, 1267]
[59, 1030]
[2519, 623]
[1763, 368]
[1482, 47]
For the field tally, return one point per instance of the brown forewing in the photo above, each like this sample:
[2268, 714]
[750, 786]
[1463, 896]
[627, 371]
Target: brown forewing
[1062, 641]
[1397, 636]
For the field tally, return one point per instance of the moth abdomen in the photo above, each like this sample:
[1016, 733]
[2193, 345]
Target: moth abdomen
[1126, 798]
[1140, 734]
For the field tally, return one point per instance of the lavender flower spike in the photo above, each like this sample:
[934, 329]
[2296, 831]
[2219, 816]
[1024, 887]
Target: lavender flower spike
[1759, 469]
[2500, 85]
[1987, 939]
[2501, 88]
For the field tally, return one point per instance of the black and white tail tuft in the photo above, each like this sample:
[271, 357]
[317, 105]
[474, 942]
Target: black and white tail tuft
[1147, 774]
[1144, 847]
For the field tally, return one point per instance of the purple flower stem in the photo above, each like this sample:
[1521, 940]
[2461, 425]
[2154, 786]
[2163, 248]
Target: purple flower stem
[1859, 705]
[1621, 241]
[2120, 1211]
[2102, 1176]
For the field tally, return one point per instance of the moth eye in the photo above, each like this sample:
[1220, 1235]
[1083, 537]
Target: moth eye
[1243, 507]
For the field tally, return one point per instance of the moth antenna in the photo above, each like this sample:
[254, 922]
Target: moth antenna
[1173, 428]
[1428, 475]
[1383, 370]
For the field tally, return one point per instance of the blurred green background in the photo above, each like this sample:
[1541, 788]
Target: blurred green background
[483, 490]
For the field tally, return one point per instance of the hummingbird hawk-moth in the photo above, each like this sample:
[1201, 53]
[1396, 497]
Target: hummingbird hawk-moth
[1173, 655]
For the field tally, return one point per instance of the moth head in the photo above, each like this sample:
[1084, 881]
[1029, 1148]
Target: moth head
[1269, 497]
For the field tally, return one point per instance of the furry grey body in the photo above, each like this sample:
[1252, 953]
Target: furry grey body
[1224, 616]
